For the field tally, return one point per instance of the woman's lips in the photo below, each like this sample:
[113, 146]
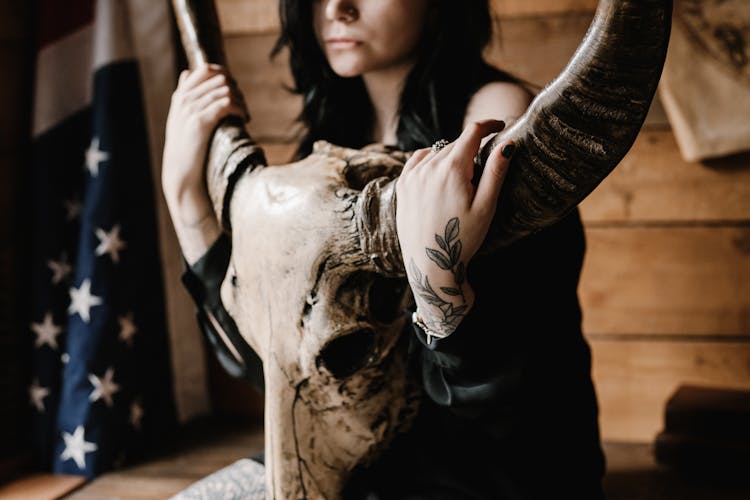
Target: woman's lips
[342, 43]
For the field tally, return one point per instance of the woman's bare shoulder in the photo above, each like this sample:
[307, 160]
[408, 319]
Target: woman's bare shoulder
[498, 100]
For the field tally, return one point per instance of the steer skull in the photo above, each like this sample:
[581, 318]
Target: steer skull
[323, 316]
[316, 280]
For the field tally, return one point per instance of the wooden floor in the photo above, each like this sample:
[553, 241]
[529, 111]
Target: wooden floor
[207, 447]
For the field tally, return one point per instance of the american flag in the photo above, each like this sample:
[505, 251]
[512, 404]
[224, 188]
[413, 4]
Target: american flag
[101, 389]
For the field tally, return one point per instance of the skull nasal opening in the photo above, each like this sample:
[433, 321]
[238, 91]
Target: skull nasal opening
[346, 355]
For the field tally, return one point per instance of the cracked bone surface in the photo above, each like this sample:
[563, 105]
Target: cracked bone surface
[317, 284]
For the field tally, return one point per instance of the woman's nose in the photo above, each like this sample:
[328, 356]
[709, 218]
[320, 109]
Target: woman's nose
[341, 10]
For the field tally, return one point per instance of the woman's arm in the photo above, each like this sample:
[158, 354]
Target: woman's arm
[203, 97]
[498, 100]
[442, 217]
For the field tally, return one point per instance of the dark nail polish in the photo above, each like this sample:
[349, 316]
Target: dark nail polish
[508, 150]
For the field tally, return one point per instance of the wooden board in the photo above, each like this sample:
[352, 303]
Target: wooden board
[654, 184]
[634, 379]
[248, 16]
[515, 8]
[273, 109]
[204, 447]
[40, 487]
[537, 48]
[666, 281]
[261, 16]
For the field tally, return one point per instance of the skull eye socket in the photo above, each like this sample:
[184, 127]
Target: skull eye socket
[346, 355]
[386, 299]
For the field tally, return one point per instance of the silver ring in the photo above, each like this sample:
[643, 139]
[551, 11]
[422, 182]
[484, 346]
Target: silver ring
[438, 145]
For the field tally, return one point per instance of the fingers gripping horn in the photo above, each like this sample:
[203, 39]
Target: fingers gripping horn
[231, 151]
[574, 133]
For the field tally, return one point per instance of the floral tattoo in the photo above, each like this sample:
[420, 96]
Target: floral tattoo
[447, 257]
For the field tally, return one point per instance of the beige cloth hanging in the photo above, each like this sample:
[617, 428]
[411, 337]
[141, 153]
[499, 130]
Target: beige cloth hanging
[705, 87]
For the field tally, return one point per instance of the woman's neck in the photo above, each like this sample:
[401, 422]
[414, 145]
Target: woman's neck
[384, 88]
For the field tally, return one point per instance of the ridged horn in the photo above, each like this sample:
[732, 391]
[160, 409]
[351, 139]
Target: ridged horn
[231, 151]
[575, 132]
[580, 127]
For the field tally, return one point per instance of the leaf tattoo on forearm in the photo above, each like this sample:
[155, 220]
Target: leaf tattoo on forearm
[448, 258]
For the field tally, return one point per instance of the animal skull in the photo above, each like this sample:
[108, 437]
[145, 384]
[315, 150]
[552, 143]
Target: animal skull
[325, 319]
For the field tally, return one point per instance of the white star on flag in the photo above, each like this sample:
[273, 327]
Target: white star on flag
[104, 387]
[37, 394]
[60, 268]
[110, 242]
[127, 328]
[81, 300]
[46, 332]
[136, 414]
[76, 447]
[94, 156]
[72, 209]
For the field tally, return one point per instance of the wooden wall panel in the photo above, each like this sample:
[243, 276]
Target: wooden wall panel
[248, 16]
[538, 48]
[513, 8]
[273, 109]
[261, 16]
[667, 281]
[634, 379]
[653, 183]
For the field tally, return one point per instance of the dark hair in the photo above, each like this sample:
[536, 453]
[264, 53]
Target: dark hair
[449, 70]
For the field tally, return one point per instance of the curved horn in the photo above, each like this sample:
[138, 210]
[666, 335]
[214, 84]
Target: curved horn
[231, 151]
[577, 129]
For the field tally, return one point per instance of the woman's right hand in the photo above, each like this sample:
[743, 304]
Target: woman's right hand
[203, 97]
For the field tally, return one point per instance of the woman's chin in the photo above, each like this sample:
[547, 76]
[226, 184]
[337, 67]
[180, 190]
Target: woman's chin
[347, 69]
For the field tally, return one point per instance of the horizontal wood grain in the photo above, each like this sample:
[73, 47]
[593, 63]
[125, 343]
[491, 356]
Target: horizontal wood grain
[40, 486]
[273, 109]
[537, 48]
[666, 281]
[653, 183]
[203, 447]
[248, 16]
[512, 8]
[634, 379]
[261, 16]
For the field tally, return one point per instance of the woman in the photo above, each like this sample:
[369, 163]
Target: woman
[510, 410]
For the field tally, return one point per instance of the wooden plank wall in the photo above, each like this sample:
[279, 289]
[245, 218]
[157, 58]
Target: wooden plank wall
[665, 288]
[15, 99]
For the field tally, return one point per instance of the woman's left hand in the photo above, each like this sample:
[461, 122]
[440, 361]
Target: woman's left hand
[442, 219]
